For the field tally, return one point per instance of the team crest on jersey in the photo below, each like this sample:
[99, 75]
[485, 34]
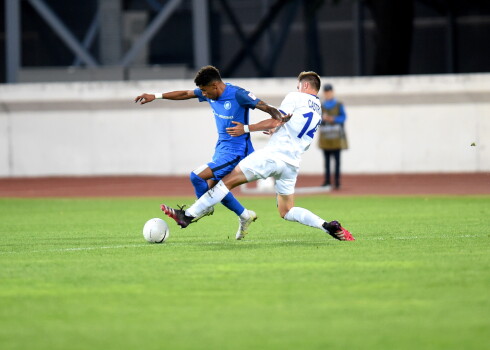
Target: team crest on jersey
[252, 96]
[227, 105]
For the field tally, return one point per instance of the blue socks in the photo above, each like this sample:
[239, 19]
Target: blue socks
[200, 185]
[231, 203]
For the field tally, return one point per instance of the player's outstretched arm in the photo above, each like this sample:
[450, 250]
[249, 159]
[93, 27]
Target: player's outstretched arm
[173, 95]
[273, 111]
[263, 125]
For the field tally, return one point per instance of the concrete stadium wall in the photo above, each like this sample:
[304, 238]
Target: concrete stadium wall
[411, 124]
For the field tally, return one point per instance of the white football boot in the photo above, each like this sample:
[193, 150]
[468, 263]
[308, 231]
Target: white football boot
[244, 224]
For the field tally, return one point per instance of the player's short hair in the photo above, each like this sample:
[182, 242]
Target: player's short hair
[312, 78]
[206, 75]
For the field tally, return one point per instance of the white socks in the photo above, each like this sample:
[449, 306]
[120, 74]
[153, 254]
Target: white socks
[209, 199]
[218, 192]
[305, 217]
[245, 215]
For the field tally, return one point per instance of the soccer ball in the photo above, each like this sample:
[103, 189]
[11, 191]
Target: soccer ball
[156, 231]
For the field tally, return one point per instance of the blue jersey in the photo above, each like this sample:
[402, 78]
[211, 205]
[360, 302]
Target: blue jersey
[233, 105]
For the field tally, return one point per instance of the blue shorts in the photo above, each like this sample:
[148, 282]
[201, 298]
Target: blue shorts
[222, 164]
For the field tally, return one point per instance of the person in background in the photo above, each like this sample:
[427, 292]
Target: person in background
[332, 133]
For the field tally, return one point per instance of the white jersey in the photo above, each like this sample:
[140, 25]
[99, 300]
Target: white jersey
[290, 141]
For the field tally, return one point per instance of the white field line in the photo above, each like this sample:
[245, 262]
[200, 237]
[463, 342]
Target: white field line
[104, 247]
[79, 248]
[422, 237]
[244, 242]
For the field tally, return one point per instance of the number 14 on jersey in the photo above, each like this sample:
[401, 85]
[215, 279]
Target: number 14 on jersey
[310, 132]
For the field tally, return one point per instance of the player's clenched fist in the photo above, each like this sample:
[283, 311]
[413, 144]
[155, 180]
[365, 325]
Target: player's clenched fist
[145, 98]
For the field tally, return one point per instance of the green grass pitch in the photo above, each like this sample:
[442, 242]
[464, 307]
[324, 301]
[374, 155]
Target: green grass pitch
[77, 274]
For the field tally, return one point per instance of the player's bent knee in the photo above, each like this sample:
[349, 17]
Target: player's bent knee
[200, 169]
[204, 172]
[196, 178]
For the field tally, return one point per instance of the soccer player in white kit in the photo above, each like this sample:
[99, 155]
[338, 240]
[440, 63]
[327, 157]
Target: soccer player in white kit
[280, 158]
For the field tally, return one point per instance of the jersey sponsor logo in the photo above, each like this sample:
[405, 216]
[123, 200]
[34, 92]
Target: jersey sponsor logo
[222, 116]
[252, 96]
[227, 105]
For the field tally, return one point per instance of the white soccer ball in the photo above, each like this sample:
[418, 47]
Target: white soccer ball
[156, 231]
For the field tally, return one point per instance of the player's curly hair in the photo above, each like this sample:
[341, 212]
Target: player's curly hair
[312, 78]
[206, 75]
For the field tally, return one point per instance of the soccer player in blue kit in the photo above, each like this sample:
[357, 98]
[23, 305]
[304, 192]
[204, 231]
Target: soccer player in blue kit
[280, 158]
[230, 104]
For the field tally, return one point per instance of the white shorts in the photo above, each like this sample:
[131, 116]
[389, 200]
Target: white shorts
[262, 164]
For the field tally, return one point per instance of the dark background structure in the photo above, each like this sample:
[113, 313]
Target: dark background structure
[276, 38]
